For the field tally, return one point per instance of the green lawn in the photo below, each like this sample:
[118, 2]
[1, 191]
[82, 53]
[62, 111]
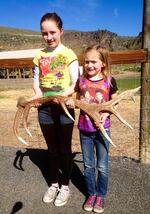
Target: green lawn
[128, 83]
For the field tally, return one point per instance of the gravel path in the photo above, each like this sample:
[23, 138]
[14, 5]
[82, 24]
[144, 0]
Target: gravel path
[24, 179]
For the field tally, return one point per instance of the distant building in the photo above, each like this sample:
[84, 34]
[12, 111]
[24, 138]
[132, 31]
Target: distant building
[18, 54]
[17, 64]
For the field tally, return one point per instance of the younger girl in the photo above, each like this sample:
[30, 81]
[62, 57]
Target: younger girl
[96, 85]
[56, 72]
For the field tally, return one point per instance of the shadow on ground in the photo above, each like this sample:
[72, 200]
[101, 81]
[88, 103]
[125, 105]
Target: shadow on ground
[40, 159]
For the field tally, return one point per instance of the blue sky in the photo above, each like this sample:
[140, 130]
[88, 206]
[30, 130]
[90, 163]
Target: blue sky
[123, 17]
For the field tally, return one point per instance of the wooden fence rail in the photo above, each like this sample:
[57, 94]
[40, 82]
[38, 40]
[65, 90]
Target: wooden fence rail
[126, 57]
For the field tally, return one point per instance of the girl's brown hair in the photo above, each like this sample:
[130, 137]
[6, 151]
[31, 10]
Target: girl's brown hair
[53, 17]
[104, 57]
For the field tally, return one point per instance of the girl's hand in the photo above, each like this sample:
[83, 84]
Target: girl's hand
[102, 119]
[55, 100]
[36, 96]
[70, 103]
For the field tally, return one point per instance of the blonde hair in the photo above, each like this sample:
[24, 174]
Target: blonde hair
[104, 57]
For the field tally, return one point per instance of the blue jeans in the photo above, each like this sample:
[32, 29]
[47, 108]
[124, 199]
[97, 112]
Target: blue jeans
[95, 150]
[54, 114]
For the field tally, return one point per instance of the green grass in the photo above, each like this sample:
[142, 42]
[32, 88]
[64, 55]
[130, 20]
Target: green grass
[3, 97]
[133, 67]
[125, 84]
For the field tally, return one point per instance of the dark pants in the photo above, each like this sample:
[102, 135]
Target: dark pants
[57, 130]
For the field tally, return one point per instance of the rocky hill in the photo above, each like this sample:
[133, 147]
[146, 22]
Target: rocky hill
[18, 39]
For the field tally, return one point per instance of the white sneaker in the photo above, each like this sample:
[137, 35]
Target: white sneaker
[50, 194]
[62, 197]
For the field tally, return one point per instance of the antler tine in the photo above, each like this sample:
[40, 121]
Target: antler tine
[27, 105]
[128, 93]
[16, 123]
[25, 117]
[43, 100]
[20, 111]
[106, 135]
[95, 117]
[66, 110]
[120, 118]
[109, 106]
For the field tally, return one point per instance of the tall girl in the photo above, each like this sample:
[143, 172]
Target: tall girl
[56, 72]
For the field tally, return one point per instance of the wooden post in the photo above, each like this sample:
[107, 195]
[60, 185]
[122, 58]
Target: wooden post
[7, 73]
[144, 150]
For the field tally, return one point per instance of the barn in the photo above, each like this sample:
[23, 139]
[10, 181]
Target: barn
[17, 64]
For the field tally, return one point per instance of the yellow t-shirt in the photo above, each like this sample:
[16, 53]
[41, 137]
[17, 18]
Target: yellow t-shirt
[54, 71]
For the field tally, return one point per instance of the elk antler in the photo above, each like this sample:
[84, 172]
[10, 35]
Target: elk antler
[91, 109]
[24, 107]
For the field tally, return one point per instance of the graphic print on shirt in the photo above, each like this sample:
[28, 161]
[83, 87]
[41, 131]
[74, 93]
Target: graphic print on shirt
[52, 69]
[96, 92]
[92, 92]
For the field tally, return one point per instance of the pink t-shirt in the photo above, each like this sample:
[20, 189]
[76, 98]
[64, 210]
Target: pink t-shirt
[94, 92]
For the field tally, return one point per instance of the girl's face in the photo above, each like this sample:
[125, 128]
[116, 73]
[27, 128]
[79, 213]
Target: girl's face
[93, 65]
[51, 33]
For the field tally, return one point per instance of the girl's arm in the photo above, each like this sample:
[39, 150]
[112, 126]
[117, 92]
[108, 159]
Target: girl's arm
[37, 90]
[36, 85]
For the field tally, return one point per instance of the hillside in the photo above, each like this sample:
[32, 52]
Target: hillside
[19, 39]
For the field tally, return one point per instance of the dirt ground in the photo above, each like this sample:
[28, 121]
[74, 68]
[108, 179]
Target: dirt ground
[127, 140]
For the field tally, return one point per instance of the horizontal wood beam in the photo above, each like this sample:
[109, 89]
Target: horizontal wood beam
[124, 57]
[132, 56]
[17, 63]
